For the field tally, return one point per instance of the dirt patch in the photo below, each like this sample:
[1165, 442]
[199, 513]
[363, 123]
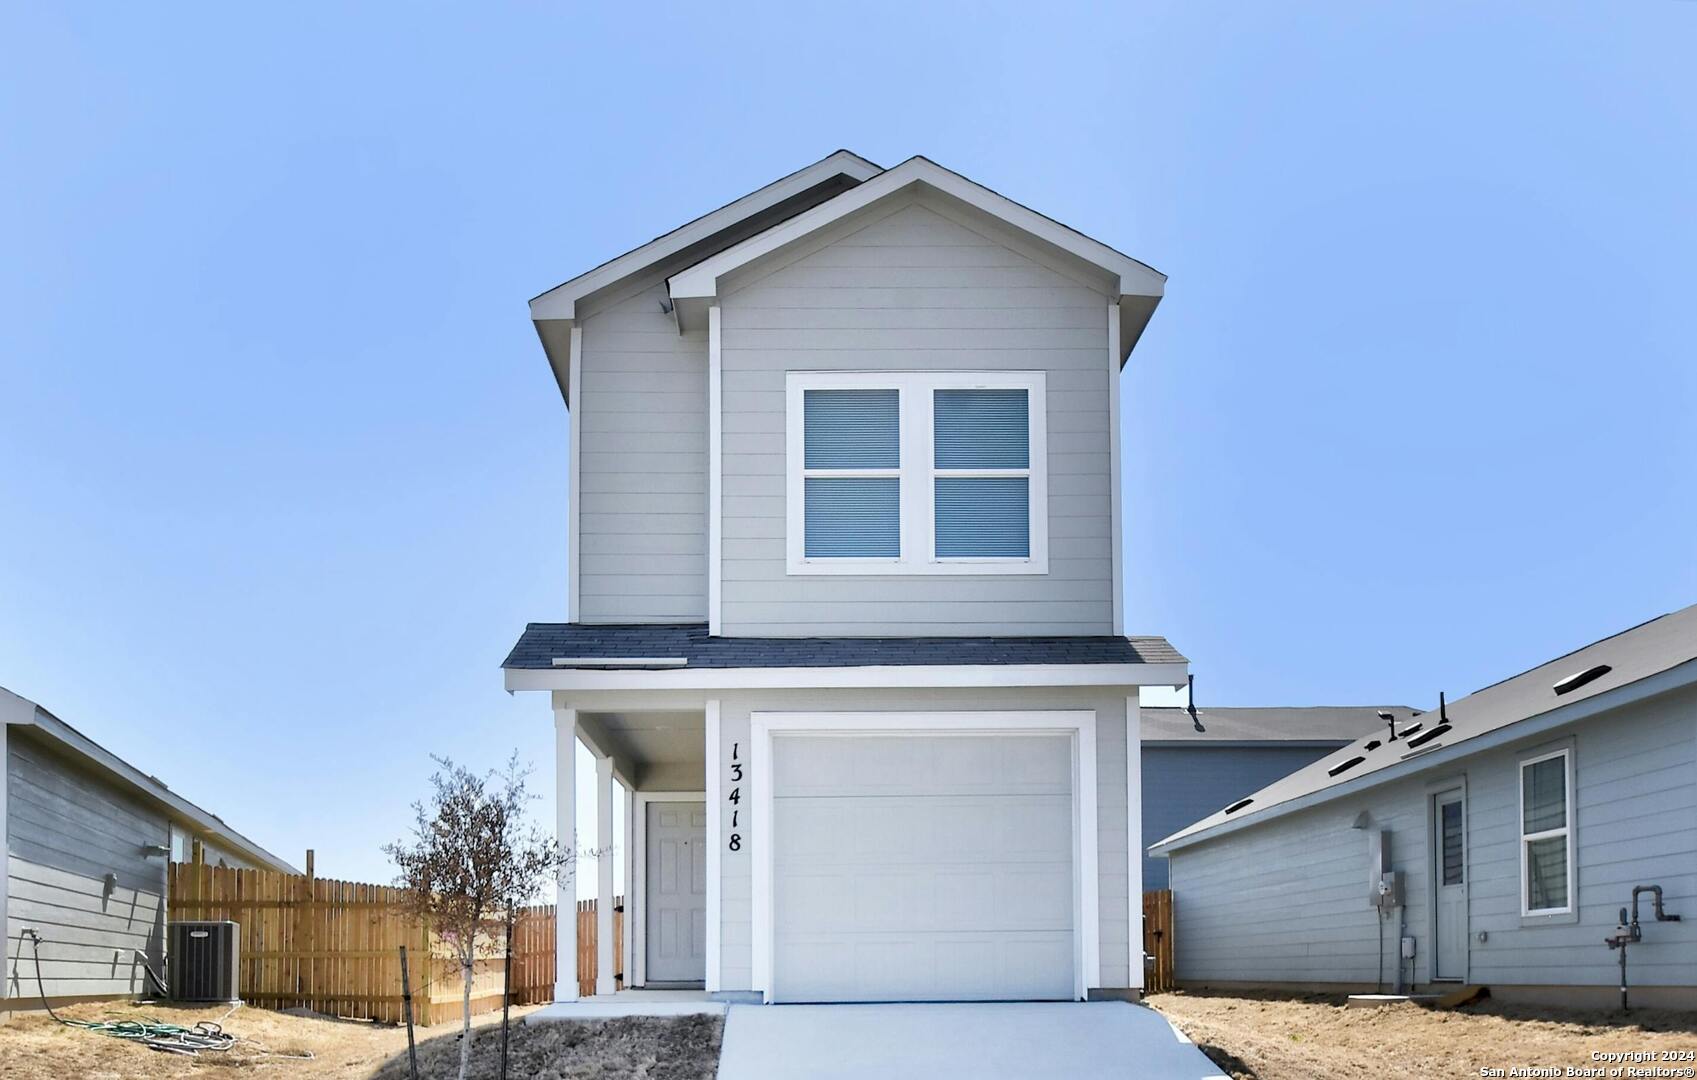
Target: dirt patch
[274, 1044]
[650, 1048]
[1313, 1037]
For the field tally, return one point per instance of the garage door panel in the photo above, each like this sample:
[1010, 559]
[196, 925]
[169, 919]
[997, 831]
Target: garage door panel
[931, 967]
[1035, 962]
[946, 882]
[1036, 826]
[813, 901]
[1036, 766]
[929, 765]
[886, 902]
[1034, 898]
[962, 898]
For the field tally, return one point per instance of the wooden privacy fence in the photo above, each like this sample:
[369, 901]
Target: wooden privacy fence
[587, 933]
[334, 946]
[1158, 940]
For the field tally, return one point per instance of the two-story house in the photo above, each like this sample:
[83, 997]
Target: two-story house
[845, 624]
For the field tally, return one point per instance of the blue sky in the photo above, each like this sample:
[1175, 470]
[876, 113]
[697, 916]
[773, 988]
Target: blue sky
[284, 471]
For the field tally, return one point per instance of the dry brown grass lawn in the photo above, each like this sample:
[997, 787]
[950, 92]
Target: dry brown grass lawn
[35, 1048]
[1311, 1037]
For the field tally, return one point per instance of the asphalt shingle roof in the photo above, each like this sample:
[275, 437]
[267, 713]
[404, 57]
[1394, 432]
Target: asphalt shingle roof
[1315, 723]
[1666, 642]
[541, 643]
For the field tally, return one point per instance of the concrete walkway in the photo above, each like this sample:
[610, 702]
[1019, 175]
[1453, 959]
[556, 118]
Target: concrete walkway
[992, 1041]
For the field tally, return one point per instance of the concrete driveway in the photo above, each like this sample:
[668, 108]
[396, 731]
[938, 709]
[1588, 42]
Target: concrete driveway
[992, 1041]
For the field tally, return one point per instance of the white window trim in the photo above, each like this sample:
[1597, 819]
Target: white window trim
[918, 472]
[1565, 832]
[1080, 724]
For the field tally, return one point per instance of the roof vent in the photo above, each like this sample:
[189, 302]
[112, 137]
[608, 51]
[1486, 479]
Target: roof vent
[1429, 736]
[1580, 678]
[1238, 805]
[1345, 766]
[1412, 729]
[1373, 744]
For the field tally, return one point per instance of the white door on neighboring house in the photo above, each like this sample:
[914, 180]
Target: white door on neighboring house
[1449, 873]
[677, 892]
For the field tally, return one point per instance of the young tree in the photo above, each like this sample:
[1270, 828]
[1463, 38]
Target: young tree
[474, 857]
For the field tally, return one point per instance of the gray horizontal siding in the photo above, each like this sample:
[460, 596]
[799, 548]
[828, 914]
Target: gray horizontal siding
[642, 481]
[65, 831]
[1183, 785]
[914, 290]
[1286, 901]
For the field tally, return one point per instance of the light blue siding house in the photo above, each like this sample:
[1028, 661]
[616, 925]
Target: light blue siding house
[843, 627]
[1195, 762]
[1515, 823]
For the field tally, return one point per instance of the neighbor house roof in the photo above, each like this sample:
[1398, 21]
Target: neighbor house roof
[20, 713]
[1331, 724]
[687, 647]
[1648, 659]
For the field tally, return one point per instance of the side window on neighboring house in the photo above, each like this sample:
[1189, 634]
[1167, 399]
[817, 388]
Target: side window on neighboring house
[1546, 834]
[179, 845]
[916, 473]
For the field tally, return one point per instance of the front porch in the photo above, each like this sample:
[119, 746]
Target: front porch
[649, 769]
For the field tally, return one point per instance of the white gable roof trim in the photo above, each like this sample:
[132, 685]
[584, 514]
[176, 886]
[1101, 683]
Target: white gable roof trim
[560, 302]
[1139, 285]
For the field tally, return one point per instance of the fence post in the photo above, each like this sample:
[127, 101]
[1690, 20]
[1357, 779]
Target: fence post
[406, 1004]
[304, 982]
[506, 993]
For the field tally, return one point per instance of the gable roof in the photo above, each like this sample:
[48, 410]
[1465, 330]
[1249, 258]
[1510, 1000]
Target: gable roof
[556, 310]
[1138, 286]
[1331, 724]
[1648, 659]
[23, 714]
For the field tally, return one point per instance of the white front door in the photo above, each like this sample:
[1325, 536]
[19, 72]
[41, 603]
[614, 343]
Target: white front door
[1449, 873]
[677, 892]
[923, 867]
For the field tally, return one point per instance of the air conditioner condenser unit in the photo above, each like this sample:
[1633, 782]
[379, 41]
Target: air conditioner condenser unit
[203, 961]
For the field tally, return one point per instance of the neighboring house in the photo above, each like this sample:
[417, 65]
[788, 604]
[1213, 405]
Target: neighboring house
[1518, 821]
[845, 580]
[1196, 762]
[88, 837]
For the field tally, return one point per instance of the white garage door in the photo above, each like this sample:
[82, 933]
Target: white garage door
[922, 867]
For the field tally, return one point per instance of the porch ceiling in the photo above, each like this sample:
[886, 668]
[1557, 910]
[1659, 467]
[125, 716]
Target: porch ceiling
[657, 750]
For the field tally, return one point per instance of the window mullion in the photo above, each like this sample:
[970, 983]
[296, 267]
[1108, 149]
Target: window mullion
[918, 461]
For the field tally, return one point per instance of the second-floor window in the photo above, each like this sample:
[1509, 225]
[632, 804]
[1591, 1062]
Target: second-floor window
[917, 472]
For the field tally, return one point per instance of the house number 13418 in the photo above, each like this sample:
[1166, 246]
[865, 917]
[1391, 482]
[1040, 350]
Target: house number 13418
[735, 799]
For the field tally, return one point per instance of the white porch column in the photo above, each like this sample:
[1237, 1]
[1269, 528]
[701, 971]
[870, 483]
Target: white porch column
[565, 824]
[1134, 830]
[628, 854]
[715, 840]
[604, 974]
